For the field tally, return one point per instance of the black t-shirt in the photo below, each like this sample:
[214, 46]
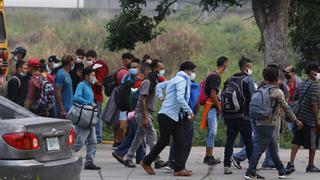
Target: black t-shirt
[213, 81]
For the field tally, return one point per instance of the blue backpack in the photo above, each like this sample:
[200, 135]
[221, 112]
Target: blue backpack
[260, 105]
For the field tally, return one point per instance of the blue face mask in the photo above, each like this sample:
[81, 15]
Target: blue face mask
[133, 71]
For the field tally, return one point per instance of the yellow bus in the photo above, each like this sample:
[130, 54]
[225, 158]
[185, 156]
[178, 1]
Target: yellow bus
[3, 40]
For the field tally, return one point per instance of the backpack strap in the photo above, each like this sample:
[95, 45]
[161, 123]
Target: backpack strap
[15, 77]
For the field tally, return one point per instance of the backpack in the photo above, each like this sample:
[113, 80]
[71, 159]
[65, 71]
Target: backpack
[47, 95]
[260, 104]
[203, 97]
[232, 97]
[110, 82]
[4, 87]
[127, 97]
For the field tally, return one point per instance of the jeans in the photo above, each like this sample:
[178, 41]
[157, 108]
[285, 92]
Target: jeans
[168, 127]
[99, 124]
[126, 144]
[212, 120]
[88, 137]
[141, 133]
[187, 134]
[234, 126]
[291, 127]
[265, 137]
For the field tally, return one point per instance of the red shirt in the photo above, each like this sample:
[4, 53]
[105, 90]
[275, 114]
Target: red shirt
[34, 88]
[121, 73]
[101, 73]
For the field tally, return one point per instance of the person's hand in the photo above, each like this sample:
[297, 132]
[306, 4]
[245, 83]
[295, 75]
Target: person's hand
[145, 122]
[191, 117]
[299, 124]
[63, 114]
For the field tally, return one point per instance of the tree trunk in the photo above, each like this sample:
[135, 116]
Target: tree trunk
[272, 20]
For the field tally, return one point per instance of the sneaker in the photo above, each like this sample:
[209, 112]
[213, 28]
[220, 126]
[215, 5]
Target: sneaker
[159, 164]
[227, 170]
[290, 166]
[115, 146]
[312, 169]
[236, 163]
[212, 161]
[118, 157]
[92, 166]
[268, 167]
[129, 164]
[250, 175]
[285, 173]
[168, 167]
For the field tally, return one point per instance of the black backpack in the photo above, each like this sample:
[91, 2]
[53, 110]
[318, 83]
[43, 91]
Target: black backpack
[110, 82]
[127, 99]
[232, 97]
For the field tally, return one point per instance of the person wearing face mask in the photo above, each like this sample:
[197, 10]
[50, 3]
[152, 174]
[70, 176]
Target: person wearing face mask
[235, 97]
[18, 84]
[102, 70]
[159, 68]
[18, 54]
[307, 110]
[54, 64]
[63, 88]
[79, 56]
[86, 136]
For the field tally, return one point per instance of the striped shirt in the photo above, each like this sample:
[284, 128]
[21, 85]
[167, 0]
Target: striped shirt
[306, 115]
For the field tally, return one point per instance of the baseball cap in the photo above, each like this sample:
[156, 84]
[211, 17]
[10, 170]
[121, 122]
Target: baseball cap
[34, 62]
[54, 58]
[19, 49]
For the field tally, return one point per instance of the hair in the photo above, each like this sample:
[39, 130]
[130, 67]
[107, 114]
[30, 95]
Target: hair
[66, 60]
[145, 67]
[87, 71]
[78, 67]
[187, 66]
[271, 74]
[80, 52]
[135, 60]
[20, 64]
[91, 53]
[127, 55]
[155, 63]
[244, 61]
[146, 57]
[221, 61]
[312, 66]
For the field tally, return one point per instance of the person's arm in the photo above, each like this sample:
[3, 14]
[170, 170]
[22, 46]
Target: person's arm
[314, 103]
[181, 90]
[13, 88]
[160, 88]
[215, 99]
[31, 93]
[145, 122]
[78, 96]
[58, 89]
[12, 67]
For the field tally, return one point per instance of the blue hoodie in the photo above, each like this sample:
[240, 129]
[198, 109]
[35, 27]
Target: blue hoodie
[177, 96]
[195, 93]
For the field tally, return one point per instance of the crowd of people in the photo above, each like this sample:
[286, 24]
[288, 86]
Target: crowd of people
[259, 111]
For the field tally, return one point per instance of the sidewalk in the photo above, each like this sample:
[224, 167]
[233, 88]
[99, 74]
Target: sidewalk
[112, 170]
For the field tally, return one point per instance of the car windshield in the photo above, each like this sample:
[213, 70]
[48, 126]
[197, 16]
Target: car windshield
[2, 30]
[10, 110]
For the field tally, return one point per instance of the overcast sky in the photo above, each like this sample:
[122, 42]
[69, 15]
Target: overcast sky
[43, 3]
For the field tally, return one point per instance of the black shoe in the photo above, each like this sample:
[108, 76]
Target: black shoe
[159, 164]
[118, 157]
[236, 163]
[212, 161]
[285, 173]
[290, 166]
[92, 166]
[251, 175]
[129, 164]
[115, 146]
[206, 160]
[312, 169]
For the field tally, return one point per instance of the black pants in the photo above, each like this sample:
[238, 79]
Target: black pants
[168, 127]
[234, 126]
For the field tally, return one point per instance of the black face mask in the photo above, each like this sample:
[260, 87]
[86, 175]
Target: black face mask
[287, 76]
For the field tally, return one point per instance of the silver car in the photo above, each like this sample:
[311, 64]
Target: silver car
[35, 148]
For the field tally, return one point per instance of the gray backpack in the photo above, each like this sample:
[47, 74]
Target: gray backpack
[260, 105]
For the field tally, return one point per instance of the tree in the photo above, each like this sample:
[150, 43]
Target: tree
[130, 27]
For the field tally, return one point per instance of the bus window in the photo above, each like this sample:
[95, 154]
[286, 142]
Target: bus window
[2, 29]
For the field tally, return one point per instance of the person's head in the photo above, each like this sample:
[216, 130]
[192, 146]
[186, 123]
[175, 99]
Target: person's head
[78, 68]
[222, 64]
[127, 58]
[34, 65]
[145, 69]
[188, 67]
[53, 62]
[80, 54]
[313, 71]
[89, 75]
[134, 67]
[271, 75]
[22, 68]
[19, 53]
[158, 67]
[91, 57]
[289, 72]
[245, 65]
[67, 62]
[147, 59]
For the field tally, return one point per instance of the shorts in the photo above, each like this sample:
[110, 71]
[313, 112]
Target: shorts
[123, 116]
[306, 137]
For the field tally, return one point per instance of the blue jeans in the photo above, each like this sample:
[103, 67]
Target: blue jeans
[265, 137]
[88, 137]
[99, 124]
[126, 144]
[212, 120]
[188, 131]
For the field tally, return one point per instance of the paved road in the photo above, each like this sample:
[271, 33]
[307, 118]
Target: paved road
[112, 170]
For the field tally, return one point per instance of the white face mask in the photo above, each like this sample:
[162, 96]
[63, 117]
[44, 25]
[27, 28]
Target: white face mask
[162, 72]
[78, 60]
[93, 80]
[249, 72]
[318, 76]
[23, 74]
[193, 76]
[15, 58]
[89, 63]
[55, 65]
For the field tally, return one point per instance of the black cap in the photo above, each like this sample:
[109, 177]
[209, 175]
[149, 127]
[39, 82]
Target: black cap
[54, 58]
[20, 50]
[91, 53]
